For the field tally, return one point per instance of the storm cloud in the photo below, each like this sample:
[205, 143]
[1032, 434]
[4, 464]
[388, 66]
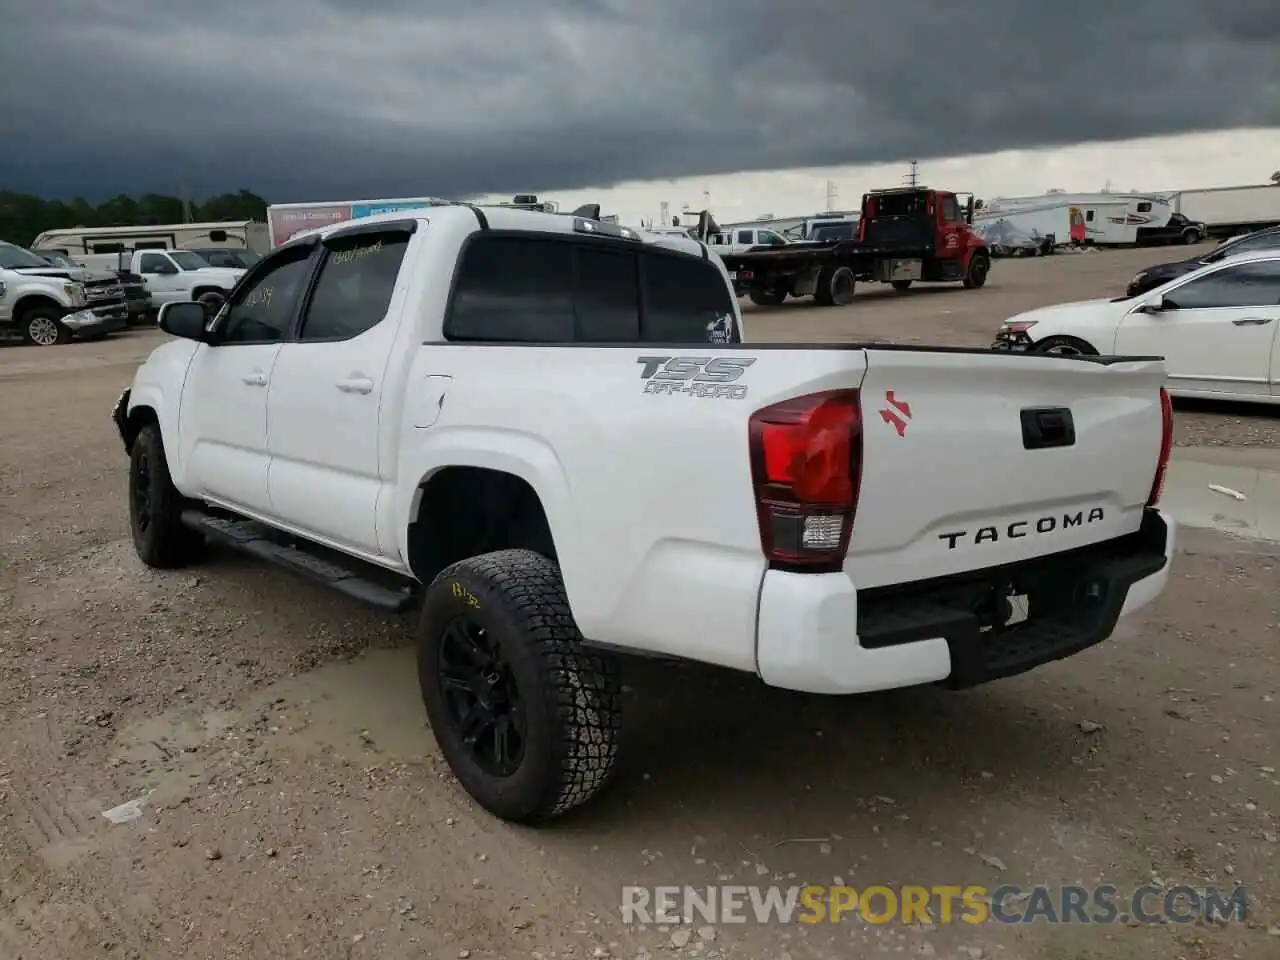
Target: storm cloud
[310, 99]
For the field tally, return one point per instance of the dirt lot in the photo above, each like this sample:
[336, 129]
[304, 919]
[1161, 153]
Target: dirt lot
[297, 806]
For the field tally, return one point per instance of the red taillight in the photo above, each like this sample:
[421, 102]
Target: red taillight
[1166, 447]
[806, 464]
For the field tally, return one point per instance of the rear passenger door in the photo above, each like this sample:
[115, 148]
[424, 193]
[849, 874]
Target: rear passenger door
[326, 392]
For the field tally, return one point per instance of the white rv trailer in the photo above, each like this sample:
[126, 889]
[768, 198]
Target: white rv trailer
[1109, 219]
[231, 234]
[287, 220]
[1229, 210]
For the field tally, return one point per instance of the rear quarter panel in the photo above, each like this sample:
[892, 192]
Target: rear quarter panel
[648, 493]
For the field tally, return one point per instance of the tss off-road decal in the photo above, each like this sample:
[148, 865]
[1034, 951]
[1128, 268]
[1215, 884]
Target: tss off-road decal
[695, 376]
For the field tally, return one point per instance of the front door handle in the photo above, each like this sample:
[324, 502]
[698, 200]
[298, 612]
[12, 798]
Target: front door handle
[1252, 321]
[356, 385]
[255, 379]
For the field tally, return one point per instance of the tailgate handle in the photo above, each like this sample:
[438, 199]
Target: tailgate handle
[1045, 427]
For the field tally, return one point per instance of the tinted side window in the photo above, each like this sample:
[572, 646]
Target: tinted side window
[1265, 241]
[262, 310]
[745, 236]
[152, 262]
[1088, 215]
[514, 288]
[608, 296]
[687, 301]
[1144, 206]
[355, 286]
[1247, 285]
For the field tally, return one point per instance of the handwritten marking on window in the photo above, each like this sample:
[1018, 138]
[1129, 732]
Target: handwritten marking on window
[260, 296]
[342, 258]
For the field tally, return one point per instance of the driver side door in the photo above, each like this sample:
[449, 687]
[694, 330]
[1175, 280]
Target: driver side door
[1215, 331]
[223, 414]
[162, 277]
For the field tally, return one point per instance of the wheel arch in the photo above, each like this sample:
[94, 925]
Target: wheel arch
[32, 301]
[511, 473]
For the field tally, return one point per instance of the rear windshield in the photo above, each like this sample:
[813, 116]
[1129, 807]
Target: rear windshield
[841, 231]
[546, 289]
[899, 205]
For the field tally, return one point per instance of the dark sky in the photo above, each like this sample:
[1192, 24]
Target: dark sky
[315, 99]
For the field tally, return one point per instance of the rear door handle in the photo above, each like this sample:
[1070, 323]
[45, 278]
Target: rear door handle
[255, 379]
[1252, 321]
[356, 385]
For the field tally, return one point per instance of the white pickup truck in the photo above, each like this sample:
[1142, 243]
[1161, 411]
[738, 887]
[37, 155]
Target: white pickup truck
[548, 432]
[178, 275]
[47, 305]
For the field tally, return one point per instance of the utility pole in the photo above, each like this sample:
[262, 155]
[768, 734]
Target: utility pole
[706, 199]
[186, 203]
[832, 192]
[913, 177]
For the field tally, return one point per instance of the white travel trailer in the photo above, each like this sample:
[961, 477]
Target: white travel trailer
[1105, 219]
[232, 234]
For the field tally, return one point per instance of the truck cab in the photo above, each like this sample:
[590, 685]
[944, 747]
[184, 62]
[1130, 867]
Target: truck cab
[738, 240]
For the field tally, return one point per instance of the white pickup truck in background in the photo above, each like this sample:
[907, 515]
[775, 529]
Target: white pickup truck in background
[177, 275]
[548, 432]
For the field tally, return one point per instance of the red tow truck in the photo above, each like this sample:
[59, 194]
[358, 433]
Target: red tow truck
[904, 235]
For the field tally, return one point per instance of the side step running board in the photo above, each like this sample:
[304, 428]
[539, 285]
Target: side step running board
[255, 539]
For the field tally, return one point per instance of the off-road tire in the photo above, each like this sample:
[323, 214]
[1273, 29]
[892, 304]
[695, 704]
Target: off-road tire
[570, 696]
[39, 319]
[767, 298]
[1066, 346]
[902, 286]
[835, 287]
[1190, 236]
[976, 276]
[160, 539]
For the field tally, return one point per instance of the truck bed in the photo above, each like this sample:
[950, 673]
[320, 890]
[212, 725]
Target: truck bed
[795, 256]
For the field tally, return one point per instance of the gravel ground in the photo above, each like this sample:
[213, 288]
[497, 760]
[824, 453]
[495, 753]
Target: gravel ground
[296, 805]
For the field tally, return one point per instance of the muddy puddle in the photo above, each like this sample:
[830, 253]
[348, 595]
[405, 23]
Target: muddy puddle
[366, 710]
[1232, 491]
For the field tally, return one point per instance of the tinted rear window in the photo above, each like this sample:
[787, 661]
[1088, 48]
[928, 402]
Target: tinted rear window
[548, 290]
[899, 205]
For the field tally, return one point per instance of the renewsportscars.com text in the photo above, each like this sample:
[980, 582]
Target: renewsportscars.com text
[1103, 904]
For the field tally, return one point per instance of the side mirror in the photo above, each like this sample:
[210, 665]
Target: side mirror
[1154, 306]
[186, 319]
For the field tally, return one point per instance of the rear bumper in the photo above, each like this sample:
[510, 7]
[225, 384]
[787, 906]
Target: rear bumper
[818, 634]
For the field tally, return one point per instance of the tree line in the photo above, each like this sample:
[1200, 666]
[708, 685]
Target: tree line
[23, 217]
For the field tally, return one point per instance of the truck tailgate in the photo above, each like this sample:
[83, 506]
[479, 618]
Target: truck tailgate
[956, 472]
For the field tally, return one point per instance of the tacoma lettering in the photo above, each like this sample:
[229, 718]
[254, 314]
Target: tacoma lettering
[1022, 528]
